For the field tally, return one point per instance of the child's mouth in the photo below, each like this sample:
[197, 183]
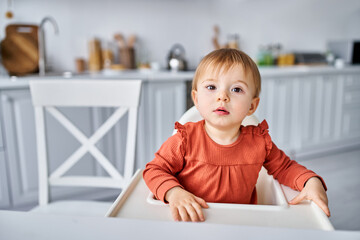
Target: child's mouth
[221, 111]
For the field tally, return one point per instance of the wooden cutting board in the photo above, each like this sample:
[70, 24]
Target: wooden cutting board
[19, 49]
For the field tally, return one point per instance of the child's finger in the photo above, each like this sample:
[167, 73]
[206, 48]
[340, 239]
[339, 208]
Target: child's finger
[192, 213]
[183, 214]
[199, 211]
[175, 213]
[301, 196]
[201, 202]
[322, 205]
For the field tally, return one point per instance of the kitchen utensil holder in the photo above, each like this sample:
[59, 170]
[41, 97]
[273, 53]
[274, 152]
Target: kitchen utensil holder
[127, 57]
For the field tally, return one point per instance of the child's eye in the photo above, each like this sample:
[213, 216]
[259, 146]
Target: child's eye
[211, 87]
[236, 90]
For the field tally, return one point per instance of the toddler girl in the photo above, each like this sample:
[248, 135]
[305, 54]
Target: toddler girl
[217, 159]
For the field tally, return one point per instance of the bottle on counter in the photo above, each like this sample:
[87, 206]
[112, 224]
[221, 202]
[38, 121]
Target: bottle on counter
[276, 50]
[264, 56]
[330, 58]
[80, 65]
[286, 59]
[95, 55]
[107, 55]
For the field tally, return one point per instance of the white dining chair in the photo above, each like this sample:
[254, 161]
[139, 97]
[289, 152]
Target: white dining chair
[47, 96]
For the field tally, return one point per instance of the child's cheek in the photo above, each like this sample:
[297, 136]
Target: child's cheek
[203, 95]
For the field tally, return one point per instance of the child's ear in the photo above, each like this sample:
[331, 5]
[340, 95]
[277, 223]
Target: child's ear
[253, 106]
[194, 97]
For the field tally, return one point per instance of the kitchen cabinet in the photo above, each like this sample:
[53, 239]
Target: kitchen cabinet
[162, 103]
[313, 113]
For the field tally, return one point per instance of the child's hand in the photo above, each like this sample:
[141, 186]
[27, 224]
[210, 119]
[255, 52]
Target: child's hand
[314, 191]
[185, 206]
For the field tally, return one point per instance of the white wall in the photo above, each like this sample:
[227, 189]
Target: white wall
[297, 24]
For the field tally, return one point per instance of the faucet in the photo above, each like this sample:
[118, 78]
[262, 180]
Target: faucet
[41, 38]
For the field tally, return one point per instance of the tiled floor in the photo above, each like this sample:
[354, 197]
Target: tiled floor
[341, 173]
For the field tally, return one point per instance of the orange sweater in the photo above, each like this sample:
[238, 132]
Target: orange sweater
[221, 173]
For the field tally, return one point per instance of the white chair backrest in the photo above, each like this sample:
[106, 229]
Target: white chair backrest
[49, 94]
[193, 115]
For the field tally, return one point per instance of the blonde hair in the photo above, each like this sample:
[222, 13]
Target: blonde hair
[224, 59]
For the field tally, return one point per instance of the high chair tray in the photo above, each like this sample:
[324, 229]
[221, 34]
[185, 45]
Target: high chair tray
[136, 202]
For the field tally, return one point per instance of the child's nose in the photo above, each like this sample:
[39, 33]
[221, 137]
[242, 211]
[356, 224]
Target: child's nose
[223, 96]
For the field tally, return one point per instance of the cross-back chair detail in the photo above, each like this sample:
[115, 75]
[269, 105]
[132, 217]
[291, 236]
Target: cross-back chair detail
[47, 95]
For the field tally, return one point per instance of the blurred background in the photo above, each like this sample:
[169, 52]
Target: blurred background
[298, 25]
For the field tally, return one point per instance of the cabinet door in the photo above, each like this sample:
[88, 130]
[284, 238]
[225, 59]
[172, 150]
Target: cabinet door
[4, 191]
[351, 108]
[281, 106]
[319, 111]
[329, 112]
[20, 145]
[163, 103]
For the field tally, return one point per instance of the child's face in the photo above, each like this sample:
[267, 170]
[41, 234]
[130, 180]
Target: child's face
[225, 99]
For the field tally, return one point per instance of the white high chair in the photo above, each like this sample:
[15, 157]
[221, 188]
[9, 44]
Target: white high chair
[272, 210]
[49, 94]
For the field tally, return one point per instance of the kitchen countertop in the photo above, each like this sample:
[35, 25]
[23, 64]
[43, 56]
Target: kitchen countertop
[305, 70]
[7, 82]
[29, 225]
[148, 75]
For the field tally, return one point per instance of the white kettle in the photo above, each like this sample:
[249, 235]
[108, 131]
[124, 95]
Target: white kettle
[176, 58]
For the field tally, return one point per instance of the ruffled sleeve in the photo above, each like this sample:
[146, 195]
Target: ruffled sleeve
[263, 128]
[183, 134]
